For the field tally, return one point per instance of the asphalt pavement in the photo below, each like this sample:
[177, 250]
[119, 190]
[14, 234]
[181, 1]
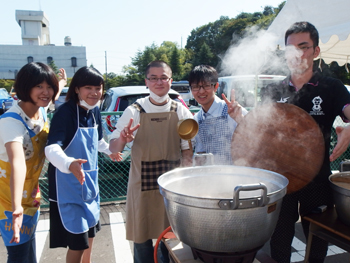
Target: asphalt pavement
[110, 245]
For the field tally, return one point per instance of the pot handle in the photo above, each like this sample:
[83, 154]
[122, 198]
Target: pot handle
[247, 203]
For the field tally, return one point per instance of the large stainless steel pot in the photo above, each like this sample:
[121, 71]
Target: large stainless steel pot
[223, 208]
[340, 184]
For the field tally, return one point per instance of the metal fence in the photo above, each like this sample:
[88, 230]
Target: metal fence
[113, 176]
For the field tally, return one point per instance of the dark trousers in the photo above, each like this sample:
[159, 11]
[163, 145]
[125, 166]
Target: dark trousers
[143, 252]
[23, 253]
[300, 203]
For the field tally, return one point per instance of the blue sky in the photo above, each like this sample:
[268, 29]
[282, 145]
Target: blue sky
[121, 28]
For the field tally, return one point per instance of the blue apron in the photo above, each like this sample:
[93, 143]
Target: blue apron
[79, 205]
[216, 137]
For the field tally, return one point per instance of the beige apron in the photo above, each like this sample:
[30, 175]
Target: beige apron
[156, 150]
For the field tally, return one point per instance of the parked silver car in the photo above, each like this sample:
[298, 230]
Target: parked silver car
[183, 88]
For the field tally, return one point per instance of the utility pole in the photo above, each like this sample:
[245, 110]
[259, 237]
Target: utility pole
[106, 68]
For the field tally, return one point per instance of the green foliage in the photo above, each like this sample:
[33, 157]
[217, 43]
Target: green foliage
[175, 62]
[54, 67]
[7, 84]
[204, 56]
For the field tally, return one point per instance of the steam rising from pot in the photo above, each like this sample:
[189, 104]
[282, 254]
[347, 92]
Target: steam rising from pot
[255, 53]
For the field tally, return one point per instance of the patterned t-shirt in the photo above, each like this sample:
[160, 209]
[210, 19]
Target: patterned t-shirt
[12, 130]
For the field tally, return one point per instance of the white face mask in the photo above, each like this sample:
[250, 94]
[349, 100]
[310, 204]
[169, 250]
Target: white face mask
[89, 107]
[157, 98]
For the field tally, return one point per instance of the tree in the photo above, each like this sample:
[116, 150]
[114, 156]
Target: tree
[209, 34]
[54, 67]
[168, 51]
[143, 58]
[175, 63]
[204, 56]
[7, 84]
[268, 10]
[219, 35]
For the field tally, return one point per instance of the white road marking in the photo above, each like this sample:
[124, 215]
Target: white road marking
[122, 248]
[42, 230]
[299, 255]
[334, 250]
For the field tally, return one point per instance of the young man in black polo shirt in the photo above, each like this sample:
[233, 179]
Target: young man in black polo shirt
[323, 98]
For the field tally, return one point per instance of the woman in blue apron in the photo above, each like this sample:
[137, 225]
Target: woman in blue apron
[23, 134]
[74, 141]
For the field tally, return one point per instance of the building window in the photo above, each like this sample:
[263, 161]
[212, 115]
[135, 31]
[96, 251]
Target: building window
[30, 59]
[49, 60]
[74, 61]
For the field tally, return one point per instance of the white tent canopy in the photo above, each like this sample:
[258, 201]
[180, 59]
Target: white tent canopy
[331, 18]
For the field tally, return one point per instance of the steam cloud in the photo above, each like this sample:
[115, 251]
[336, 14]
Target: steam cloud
[251, 55]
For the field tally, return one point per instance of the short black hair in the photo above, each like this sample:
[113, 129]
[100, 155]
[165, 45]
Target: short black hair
[158, 64]
[202, 73]
[32, 74]
[303, 27]
[85, 76]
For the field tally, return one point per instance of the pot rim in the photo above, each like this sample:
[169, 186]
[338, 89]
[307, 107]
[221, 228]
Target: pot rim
[336, 187]
[206, 202]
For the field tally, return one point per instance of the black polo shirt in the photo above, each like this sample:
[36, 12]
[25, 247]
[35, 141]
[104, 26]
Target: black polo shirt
[324, 98]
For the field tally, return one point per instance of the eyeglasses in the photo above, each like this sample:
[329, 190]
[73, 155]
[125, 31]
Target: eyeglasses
[304, 49]
[154, 79]
[198, 87]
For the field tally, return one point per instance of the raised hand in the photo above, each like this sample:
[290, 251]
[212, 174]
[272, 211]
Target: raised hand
[127, 132]
[116, 156]
[234, 108]
[343, 140]
[62, 76]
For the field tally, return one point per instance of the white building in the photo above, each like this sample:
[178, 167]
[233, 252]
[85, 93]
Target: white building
[36, 47]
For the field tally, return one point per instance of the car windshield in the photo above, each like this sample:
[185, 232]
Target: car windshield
[4, 94]
[181, 88]
[64, 92]
[128, 100]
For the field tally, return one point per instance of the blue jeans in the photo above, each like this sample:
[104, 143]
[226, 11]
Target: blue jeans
[143, 252]
[23, 253]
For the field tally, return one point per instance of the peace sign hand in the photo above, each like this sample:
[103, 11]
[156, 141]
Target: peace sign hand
[127, 132]
[234, 108]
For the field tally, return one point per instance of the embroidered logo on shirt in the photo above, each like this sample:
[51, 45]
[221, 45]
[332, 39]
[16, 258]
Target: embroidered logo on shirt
[283, 100]
[317, 109]
[159, 119]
